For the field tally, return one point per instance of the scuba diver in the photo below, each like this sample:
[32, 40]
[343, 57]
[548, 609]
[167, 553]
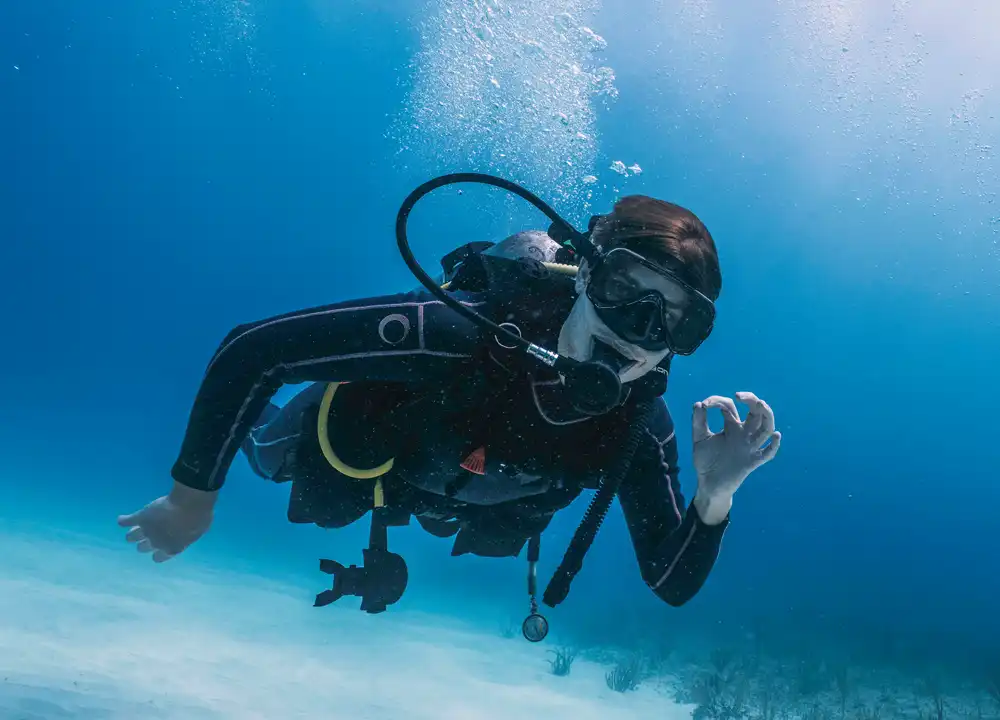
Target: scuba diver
[444, 404]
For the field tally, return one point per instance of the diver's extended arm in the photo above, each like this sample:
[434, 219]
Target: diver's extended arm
[403, 338]
[675, 547]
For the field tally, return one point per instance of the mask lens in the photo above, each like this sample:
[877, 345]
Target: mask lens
[647, 305]
[692, 328]
[639, 323]
[613, 284]
[617, 280]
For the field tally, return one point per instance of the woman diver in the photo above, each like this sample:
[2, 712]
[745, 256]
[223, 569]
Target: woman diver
[433, 404]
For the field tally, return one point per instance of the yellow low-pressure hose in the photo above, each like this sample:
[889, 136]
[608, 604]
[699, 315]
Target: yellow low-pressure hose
[339, 465]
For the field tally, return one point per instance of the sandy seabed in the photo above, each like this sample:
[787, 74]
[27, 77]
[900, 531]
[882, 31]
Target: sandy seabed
[92, 630]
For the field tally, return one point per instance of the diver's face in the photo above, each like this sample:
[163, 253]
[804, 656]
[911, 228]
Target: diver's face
[583, 328]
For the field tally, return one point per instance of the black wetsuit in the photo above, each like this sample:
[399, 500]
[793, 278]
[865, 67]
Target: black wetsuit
[433, 391]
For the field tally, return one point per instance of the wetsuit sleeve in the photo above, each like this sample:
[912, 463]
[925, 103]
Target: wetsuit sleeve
[409, 337]
[675, 549]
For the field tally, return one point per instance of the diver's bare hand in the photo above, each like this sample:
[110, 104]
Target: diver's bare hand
[168, 525]
[723, 460]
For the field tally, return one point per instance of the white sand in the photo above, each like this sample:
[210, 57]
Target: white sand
[97, 631]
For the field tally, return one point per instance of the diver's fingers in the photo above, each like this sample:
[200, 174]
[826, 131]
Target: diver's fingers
[760, 420]
[161, 556]
[144, 546]
[128, 520]
[767, 454]
[699, 423]
[754, 416]
[730, 414]
[136, 534]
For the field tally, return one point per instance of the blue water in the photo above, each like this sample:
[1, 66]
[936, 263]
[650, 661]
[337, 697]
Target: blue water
[168, 170]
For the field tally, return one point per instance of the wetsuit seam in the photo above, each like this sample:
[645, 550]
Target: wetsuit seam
[677, 558]
[270, 443]
[665, 440]
[330, 311]
[666, 472]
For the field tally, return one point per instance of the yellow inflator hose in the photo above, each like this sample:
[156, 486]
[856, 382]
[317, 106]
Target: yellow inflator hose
[339, 465]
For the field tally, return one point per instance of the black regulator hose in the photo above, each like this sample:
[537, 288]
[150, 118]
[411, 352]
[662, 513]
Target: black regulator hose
[596, 383]
[637, 420]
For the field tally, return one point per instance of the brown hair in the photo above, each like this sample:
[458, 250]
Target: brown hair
[665, 233]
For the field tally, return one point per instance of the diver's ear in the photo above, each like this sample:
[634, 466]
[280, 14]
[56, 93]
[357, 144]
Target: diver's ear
[582, 277]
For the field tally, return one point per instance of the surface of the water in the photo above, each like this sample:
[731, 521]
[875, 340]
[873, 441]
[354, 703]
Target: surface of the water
[168, 170]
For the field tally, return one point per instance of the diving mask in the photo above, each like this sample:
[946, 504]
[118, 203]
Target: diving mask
[648, 305]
